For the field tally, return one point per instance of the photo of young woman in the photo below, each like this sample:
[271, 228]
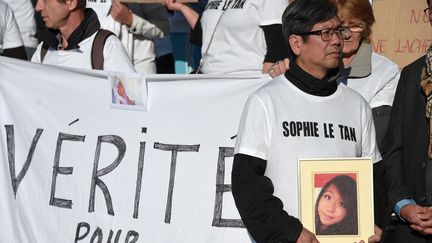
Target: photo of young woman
[336, 207]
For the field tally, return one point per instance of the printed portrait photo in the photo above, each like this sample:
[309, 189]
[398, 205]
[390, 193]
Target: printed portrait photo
[128, 91]
[119, 95]
[336, 208]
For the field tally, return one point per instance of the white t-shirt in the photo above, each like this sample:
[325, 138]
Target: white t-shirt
[9, 32]
[138, 39]
[379, 87]
[24, 14]
[102, 8]
[238, 44]
[115, 56]
[281, 124]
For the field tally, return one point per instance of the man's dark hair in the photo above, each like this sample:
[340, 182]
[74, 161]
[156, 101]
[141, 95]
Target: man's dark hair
[301, 15]
[81, 4]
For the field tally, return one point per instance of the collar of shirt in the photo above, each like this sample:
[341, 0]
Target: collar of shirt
[309, 84]
[361, 65]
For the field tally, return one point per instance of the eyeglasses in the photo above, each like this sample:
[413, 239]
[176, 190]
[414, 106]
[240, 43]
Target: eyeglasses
[356, 28]
[327, 34]
[427, 11]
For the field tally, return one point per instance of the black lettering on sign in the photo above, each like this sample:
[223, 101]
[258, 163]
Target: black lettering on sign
[221, 188]
[98, 233]
[131, 236]
[139, 179]
[120, 144]
[117, 237]
[60, 202]
[174, 151]
[10, 140]
[78, 236]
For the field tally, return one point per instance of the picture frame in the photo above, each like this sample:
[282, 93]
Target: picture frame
[336, 198]
[128, 91]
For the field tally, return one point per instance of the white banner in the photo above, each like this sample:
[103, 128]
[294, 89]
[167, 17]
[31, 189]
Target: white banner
[74, 168]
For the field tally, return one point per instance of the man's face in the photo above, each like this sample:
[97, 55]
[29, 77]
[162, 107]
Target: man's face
[54, 12]
[316, 56]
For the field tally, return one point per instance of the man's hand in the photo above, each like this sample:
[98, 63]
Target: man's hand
[410, 213]
[420, 218]
[377, 236]
[121, 13]
[307, 237]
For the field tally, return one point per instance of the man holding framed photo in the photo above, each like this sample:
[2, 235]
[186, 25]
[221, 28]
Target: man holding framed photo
[302, 114]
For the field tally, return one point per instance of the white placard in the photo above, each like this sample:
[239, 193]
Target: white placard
[73, 168]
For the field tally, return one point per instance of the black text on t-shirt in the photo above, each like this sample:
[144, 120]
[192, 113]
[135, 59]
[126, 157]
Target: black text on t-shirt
[312, 129]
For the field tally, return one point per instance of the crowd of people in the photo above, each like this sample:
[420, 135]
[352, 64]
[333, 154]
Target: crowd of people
[320, 56]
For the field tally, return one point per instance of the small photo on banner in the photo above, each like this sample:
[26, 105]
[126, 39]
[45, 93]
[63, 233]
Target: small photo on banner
[336, 209]
[128, 91]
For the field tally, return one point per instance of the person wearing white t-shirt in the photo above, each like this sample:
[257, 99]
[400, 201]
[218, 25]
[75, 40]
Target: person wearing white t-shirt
[373, 76]
[285, 119]
[11, 44]
[238, 36]
[137, 25]
[69, 35]
[24, 14]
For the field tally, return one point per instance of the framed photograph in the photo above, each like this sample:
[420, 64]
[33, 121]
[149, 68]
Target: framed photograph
[336, 198]
[128, 91]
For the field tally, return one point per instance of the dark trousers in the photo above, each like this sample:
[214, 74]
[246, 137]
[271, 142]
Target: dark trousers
[165, 64]
[400, 232]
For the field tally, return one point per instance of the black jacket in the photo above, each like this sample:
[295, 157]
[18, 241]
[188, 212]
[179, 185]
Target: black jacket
[405, 148]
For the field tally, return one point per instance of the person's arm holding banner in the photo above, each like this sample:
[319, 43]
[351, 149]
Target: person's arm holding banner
[190, 15]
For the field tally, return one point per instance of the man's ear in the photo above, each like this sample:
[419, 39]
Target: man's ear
[295, 42]
[72, 4]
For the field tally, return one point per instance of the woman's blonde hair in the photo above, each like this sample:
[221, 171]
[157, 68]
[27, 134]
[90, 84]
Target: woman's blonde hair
[358, 9]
